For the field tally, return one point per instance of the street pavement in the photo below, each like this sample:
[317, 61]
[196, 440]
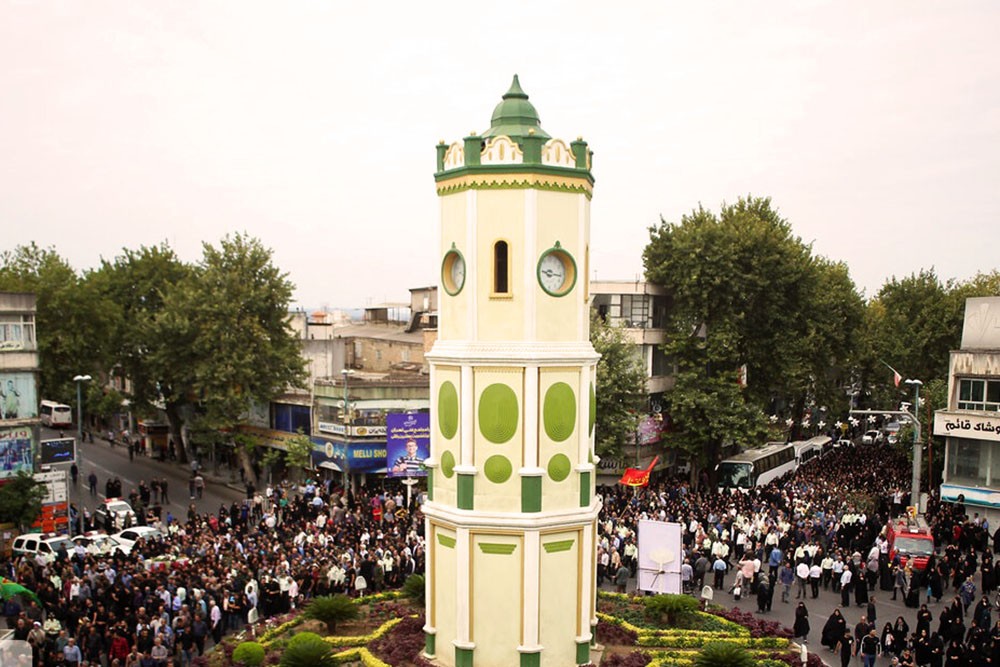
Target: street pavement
[113, 461]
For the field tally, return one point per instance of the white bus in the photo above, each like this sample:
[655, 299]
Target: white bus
[811, 449]
[55, 415]
[756, 467]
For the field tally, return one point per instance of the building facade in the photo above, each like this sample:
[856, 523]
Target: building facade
[511, 510]
[19, 422]
[971, 423]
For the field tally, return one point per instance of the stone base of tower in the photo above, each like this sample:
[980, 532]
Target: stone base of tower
[500, 594]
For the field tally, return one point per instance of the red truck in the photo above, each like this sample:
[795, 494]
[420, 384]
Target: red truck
[910, 538]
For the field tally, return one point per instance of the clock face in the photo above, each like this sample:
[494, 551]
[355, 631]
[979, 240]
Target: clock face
[453, 272]
[556, 271]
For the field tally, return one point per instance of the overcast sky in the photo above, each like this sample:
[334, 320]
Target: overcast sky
[874, 126]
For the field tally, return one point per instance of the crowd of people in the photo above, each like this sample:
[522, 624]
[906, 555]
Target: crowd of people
[822, 531]
[212, 573]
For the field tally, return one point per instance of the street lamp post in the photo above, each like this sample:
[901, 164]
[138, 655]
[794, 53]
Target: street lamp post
[79, 380]
[915, 491]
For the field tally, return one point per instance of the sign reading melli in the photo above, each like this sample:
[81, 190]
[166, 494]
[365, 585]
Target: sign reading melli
[963, 425]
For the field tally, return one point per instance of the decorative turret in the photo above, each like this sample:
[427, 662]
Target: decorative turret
[515, 137]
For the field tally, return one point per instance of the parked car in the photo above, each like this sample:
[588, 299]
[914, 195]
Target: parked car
[842, 443]
[96, 542]
[43, 545]
[871, 438]
[127, 538]
[113, 514]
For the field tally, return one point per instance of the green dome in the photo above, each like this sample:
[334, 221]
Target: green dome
[515, 115]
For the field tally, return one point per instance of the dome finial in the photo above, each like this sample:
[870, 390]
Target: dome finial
[515, 90]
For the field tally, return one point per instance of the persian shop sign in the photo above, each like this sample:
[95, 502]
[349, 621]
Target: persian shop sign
[355, 429]
[967, 426]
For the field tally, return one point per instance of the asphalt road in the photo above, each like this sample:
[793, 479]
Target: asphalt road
[108, 461]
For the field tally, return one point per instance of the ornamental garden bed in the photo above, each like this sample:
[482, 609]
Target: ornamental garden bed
[387, 631]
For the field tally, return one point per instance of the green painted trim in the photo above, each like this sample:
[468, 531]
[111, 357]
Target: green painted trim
[446, 541]
[430, 641]
[516, 168]
[583, 653]
[465, 491]
[556, 547]
[430, 484]
[463, 657]
[519, 185]
[531, 494]
[499, 549]
[531, 659]
[584, 488]
[557, 249]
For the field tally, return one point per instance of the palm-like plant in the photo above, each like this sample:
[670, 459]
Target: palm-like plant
[331, 609]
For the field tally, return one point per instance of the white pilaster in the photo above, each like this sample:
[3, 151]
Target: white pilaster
[471, 265]
[468, 403]
[463, 548]
[530, 258]
[531, 416]
[531, 593]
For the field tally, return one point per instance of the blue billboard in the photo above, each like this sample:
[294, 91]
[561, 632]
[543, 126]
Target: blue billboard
[407, 443]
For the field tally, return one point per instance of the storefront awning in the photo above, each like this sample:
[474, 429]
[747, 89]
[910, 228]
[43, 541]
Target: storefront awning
[330, 465]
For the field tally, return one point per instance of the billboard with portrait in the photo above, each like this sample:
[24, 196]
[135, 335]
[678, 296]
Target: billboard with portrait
[15, 451]
[17, 396]
[407, 443]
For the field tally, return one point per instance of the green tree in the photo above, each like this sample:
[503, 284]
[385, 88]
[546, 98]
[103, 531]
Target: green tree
[137, 283]
[71, 322]
[620, 387]
[298, 456]
[21, 500]
[230, 345]
[747, 294]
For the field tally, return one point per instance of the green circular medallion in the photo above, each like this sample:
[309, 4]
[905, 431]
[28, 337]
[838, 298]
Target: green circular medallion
[559, 467]
[498, 413]
[498, 469]
[448, 410]
[448, 464]
[559, 411]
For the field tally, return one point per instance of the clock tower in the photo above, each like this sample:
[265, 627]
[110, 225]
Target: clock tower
[511, 510]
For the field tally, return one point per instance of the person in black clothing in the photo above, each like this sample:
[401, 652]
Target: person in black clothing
[846, 648]
[833, 630]
[801, 627]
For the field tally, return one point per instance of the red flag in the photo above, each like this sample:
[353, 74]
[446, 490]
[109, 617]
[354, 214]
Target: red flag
[896, 377]
[636, 477]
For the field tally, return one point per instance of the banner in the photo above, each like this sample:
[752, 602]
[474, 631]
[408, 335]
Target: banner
[15, 451]
[407, 443]
[17, 396]
[62, 450]
[636, 477]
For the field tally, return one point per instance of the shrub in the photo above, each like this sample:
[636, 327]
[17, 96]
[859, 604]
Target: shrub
[724, 654]
[667, 609]
[249, 654]
[633, 659]
[331, 609]
[414, 588]
[307, 649]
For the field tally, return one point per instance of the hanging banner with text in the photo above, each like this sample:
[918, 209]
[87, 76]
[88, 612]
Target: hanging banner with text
[407, 443]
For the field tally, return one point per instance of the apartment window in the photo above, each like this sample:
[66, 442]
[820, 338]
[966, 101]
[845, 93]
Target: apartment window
[662, 365]
[17, 331]
[501, 268]
[983, 395]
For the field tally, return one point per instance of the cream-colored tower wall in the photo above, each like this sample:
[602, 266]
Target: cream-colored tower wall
[564, 494]
[497, 618]
[500, 217]
[504, 496]
[445, 485]
[453, 321]
[562, 217]
[560, 581]
[443, 602]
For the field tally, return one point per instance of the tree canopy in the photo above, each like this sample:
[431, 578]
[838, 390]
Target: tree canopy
[621, 380]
